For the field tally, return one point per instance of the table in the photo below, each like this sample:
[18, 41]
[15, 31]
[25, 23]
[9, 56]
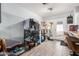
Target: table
[75, 37]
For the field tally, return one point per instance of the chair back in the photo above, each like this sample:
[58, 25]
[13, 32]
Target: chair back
[71, 44]
[2, 45]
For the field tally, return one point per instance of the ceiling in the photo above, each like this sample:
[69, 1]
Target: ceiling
[42, 10]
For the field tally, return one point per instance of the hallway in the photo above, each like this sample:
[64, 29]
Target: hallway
[48, 48]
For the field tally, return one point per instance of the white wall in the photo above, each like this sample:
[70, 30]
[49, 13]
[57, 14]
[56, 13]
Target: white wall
[76, 15]
[14, 32]
[77, 21]
[8, 20]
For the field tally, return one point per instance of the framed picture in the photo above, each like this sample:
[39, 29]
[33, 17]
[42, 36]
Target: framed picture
[73, 27]
[70, 19]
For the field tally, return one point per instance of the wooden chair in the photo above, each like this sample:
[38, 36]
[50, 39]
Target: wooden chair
[72, 46]
[3, 46]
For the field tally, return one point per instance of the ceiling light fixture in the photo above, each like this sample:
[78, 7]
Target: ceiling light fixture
[44, 3]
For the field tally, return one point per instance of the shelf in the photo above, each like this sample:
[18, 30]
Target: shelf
[17, 53]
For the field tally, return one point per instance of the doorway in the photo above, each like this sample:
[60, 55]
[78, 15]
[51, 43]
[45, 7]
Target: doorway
[59, 31]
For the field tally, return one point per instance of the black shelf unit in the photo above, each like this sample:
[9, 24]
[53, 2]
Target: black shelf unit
[31, 32]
